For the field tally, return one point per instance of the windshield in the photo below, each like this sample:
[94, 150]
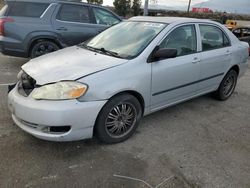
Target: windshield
[127, 39]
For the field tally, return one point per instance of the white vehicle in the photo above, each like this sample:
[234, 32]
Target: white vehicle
[104, 86]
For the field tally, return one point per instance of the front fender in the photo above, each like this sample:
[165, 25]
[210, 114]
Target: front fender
[132, 76]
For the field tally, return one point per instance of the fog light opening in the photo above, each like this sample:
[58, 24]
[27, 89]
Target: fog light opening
[59, 129]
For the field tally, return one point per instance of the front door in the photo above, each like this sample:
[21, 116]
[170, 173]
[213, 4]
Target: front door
[175, 79]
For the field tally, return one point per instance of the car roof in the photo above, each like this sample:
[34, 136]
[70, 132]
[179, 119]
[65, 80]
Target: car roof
[75, 2]
[52, 1]
[43, 1]
[168, 20]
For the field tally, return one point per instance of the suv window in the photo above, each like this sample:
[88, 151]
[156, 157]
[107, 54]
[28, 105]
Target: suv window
[104, 17]
[26, 9]
[213, 38]
[183, 39]
[246, 32]
[74, 13]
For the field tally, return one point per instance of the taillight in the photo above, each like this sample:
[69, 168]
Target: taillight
[2, 22]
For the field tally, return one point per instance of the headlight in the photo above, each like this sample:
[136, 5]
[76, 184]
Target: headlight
[60, 91]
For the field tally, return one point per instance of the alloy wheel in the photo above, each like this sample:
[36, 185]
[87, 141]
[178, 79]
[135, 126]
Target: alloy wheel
[121, 120]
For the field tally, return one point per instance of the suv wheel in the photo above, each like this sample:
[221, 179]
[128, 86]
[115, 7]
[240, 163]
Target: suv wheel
[42, 48]
[118, 119]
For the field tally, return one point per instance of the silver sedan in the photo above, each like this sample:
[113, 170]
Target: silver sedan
[104, 86]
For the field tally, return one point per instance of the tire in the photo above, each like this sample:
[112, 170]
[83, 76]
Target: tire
[118, 119]
[43, 47]
[227, 86]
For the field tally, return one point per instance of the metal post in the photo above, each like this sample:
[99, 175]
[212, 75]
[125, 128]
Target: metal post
[189, 4]
[145, 12]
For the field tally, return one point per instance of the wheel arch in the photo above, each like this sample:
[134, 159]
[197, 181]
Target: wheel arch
[136, 94]
[133, 93]
[43, 38]
[235, 68]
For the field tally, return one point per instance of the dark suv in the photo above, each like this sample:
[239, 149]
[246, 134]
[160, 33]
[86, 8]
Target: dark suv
[31, 28]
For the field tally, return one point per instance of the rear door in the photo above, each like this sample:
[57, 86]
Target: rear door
[74, 23]
[215, 57]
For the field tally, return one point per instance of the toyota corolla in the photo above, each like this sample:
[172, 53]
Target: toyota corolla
[104, 86]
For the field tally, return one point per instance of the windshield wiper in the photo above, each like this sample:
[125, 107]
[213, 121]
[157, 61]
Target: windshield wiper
[102, 50]
[115, 54]
[88, 47]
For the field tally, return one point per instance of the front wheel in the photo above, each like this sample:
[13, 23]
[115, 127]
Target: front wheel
[118, 119]
[227, 86]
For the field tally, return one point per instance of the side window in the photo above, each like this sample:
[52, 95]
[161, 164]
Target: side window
[183, 39]
[213, 38]
[27, 9]
[104, 17]
[74, 13]
[226, 41]
[237, 32]
[246, 32]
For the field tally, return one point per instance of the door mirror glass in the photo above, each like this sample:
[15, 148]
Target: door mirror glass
[165, 53]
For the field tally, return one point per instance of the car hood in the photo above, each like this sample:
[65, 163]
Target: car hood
[68, 64]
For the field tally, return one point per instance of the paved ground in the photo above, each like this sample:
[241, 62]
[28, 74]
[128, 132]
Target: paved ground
[201, 143]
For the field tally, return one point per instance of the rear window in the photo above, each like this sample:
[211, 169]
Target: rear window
[3, 10]
[26, 9]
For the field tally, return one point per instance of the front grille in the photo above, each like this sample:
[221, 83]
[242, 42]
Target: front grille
[26, 85]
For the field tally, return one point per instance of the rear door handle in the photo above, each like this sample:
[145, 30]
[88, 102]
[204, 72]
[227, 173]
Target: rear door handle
[196, 60]
[62, 29]
[228, 52]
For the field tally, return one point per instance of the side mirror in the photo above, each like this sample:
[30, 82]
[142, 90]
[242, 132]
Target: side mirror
[165, 53]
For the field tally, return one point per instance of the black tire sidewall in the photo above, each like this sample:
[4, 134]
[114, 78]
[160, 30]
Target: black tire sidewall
[36, 46]
[220, 93]
[100, 130]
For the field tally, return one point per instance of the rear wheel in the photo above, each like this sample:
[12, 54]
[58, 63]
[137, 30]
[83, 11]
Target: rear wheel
[227, 86]
[43, 47]
[118, 119]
